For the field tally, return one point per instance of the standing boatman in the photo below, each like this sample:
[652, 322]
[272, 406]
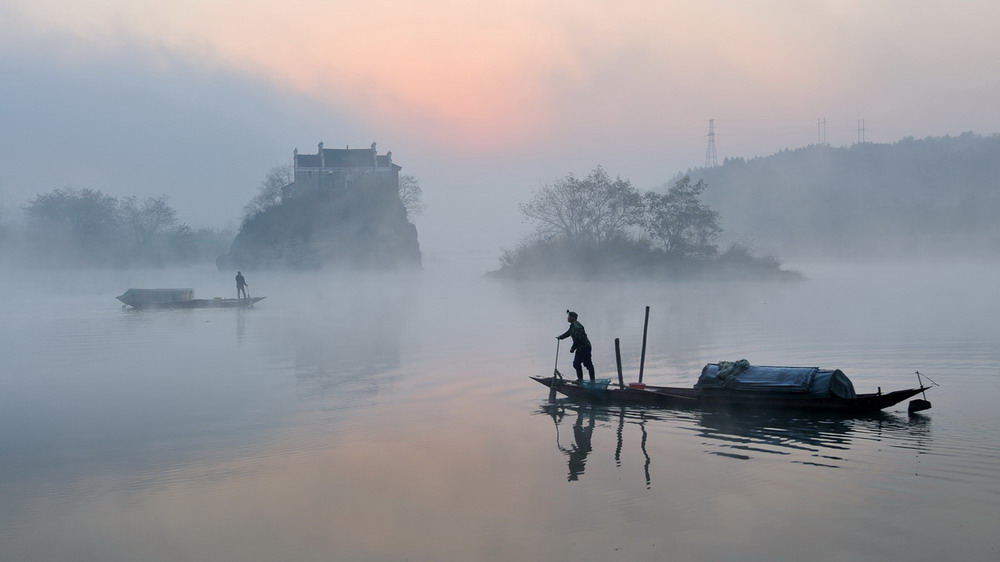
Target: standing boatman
[581, 345]
[241, 286]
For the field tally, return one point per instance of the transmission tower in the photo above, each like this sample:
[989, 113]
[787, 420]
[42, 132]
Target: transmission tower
[861, 130]
[711, 158]
[821, 130]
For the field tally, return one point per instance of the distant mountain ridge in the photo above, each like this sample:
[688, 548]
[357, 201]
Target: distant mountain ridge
[912, 197]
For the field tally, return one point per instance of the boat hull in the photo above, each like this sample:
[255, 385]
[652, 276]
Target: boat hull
[198, 303]
[677, 397]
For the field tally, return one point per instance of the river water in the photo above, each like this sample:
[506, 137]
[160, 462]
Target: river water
[391, 418]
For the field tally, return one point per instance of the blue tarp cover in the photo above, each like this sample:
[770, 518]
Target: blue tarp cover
[806, 380]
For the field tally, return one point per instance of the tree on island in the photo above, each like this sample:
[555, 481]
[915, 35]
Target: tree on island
[597, 226]
[411, 196]
[683, 226]
[269, 193]
[593, 209]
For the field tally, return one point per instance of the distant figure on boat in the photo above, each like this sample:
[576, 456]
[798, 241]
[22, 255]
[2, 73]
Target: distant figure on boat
[241, 286]
[581, 345]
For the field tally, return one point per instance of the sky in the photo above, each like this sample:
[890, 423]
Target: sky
[483, 101]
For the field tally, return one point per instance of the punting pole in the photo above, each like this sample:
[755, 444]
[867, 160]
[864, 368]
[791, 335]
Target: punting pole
[555, 372]
[919, 405]
[618, 359]
[642, 358]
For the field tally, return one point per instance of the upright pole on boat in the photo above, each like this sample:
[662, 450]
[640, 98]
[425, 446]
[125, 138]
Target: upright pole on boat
[618, 359]
[555, 372]
[642, 358]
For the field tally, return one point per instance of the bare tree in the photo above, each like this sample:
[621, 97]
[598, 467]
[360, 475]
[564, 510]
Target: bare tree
[680, 222]
[591, 209]
[270, 190]
[153, 218]
[411, 196]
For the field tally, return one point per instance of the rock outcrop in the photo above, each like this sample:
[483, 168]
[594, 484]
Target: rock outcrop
[361, 228]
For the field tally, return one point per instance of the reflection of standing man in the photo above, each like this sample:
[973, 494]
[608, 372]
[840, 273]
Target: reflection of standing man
[581, 447]
[241, 286]
[581, 345]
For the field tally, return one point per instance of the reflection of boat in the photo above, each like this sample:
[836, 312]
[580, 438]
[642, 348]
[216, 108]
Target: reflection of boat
[179, 298]
[752, 387]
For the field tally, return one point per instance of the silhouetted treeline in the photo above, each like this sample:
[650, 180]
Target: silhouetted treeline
[87, 228]
[939, 195]
[599, 227]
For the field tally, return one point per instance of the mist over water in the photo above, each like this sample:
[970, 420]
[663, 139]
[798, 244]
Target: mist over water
[387, 417]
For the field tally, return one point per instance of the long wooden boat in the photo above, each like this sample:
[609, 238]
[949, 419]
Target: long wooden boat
[729, 395]
[179, 298]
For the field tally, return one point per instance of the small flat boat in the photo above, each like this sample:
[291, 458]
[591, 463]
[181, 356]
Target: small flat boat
[179, 298]
[745, 386]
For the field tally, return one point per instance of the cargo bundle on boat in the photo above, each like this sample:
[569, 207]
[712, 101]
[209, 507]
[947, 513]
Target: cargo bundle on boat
[179, 298]
[804, 381]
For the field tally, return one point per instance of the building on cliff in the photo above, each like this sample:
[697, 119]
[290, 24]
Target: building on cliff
[342, 209]
[341, 169]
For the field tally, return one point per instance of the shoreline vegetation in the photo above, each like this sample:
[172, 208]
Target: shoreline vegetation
[634, 259]
[930, 198]
[596, 227]
[86, 228]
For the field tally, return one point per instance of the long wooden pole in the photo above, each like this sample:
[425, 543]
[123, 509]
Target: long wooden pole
[642, 358]
[618, 359]
[555, 371]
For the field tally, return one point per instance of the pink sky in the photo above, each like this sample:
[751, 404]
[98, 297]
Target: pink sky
[546, 87]
[485, 76]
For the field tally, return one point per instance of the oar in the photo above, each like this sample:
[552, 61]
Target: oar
[555, 372]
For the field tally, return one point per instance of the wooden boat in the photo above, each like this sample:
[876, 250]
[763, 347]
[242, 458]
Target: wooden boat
[179, 298]
[809, 389]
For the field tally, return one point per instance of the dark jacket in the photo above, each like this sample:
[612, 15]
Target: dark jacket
[579, 335]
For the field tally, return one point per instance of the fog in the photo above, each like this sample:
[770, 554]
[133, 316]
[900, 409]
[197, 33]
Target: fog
[343, 402]
[156, 101]
[386, 415]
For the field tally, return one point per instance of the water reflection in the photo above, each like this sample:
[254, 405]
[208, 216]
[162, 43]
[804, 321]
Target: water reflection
[808, 440]
[584, 418]
[815, 440]
[241, 324]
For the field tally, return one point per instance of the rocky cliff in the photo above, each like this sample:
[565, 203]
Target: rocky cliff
[351, 228]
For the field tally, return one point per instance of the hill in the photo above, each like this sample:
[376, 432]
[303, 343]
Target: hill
[356, 228]
[913, 197]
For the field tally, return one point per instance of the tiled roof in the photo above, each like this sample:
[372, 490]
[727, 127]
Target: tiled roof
[349, 157]
[307, 160]
[340, 158]
[345, 158]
